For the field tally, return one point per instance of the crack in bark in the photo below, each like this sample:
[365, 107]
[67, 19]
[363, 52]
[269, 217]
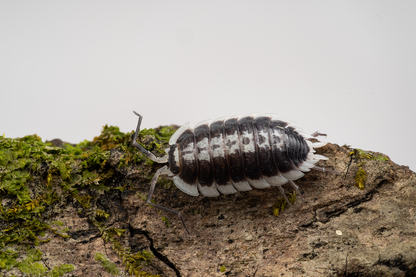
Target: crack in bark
[157, 254]
[399, 263]
[90, 239]
[367, 197]
[44, 262]
[326, 212]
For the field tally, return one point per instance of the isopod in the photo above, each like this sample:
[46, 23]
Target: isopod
[233, 154]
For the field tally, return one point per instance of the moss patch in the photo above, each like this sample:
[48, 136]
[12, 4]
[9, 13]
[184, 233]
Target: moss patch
[37, 181]
[281, 203]
[361, 156]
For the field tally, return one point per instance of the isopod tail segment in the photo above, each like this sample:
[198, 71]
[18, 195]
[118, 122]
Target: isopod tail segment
[234, 154]
[322, 169]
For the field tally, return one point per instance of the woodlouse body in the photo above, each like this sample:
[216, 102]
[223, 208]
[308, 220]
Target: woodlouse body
[235, 154]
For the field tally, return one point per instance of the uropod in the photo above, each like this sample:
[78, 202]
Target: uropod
[232, 154]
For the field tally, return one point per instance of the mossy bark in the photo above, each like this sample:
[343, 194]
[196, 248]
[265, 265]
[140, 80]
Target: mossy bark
[340, 230]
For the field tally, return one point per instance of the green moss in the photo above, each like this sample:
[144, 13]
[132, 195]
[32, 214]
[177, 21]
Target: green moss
[361, 156]
[36, 177]
[166, 221]
[281, 203]
[14, 183]
[61, 270]
[156, 139]
[110, 137]
[30, 266]
[133, 262]
[108, 266]
[165, 183]
[101, 213]
[58, 223]
[8, 259]
[361, 177]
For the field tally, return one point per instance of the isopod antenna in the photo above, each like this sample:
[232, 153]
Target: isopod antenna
[148, 154]
[164, 171]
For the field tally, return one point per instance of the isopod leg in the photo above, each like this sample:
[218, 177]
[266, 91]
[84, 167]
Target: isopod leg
[161, 171]
[316, 134]
[296, 189]
[236, 195]
[282, 191]
[322, 169]
[200, 198]
[141, 148]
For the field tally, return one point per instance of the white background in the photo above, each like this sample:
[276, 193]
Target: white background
[345, 68]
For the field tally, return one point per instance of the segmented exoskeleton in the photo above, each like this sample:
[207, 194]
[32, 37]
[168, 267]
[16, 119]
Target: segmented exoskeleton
[233, 154]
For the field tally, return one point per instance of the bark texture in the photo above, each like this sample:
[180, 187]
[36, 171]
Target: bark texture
[339, 230]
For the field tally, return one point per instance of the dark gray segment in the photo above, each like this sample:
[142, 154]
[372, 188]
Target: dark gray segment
[220, 164]
[235, 161]
[267, 164]
[189, 169]
[205, 168]
[250, 159]
[245, 140]
[221, 171]
[305, 149]
[230, 126]
[236, 168]
[205, 173]
[215, 127]
[245, 124]
[279, 123]
[279, 146]
[291, 146]
[172, 163]
[296, 150]
[201, 132]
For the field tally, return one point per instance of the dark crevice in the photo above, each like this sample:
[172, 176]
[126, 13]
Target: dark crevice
[90, 239]
[396, 264]
[400, 263]
[340, 210]
[329, 211]
[310, 224]
[84, 236]
[44, 262]
[157, 254]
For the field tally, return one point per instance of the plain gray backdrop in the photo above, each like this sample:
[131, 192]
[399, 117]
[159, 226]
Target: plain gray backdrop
[345, 68]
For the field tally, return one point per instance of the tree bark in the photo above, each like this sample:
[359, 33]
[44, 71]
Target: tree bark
[339, 230]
